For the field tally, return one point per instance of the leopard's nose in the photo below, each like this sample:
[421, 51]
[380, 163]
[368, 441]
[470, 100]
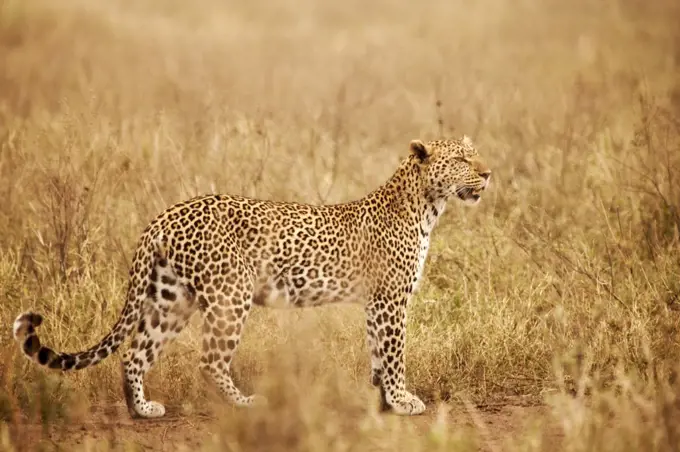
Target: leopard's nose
[485, 174]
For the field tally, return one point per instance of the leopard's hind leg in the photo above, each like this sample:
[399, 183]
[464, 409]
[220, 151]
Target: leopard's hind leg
[225, 301]
[169, 306]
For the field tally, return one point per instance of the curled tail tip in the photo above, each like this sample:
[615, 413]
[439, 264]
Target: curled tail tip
[25, 324]
[25, 335]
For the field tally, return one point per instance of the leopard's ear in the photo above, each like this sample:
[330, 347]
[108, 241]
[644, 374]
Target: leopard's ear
[419, 149]
[467, 141]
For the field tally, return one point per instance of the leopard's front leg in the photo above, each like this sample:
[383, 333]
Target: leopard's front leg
[376, 364]
[386, 325]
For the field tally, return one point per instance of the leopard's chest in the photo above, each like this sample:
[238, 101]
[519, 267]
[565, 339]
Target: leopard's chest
[427, 223]
[424, 246]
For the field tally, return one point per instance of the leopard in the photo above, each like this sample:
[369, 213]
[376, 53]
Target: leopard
[223, 254]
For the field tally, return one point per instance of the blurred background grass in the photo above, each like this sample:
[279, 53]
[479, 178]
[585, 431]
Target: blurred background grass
[562, 286]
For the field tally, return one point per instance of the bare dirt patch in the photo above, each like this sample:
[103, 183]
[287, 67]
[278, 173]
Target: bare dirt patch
[496, 427]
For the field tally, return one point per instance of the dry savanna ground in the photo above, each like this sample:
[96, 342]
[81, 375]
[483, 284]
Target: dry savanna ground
[548, 317]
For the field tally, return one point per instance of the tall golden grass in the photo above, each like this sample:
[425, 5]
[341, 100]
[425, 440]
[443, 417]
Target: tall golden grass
[562, 287]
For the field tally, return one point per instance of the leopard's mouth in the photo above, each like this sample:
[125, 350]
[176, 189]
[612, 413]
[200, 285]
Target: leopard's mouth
[468, 195]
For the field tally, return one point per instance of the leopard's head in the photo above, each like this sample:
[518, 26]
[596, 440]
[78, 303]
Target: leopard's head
[451, 168]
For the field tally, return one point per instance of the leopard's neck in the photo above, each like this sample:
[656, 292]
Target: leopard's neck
[403, 196]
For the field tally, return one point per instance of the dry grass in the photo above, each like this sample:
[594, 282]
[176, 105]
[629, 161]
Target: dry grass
[563, 287]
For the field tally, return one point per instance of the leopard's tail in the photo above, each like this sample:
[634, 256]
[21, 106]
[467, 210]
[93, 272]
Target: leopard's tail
[25, 334]
[25, 328]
